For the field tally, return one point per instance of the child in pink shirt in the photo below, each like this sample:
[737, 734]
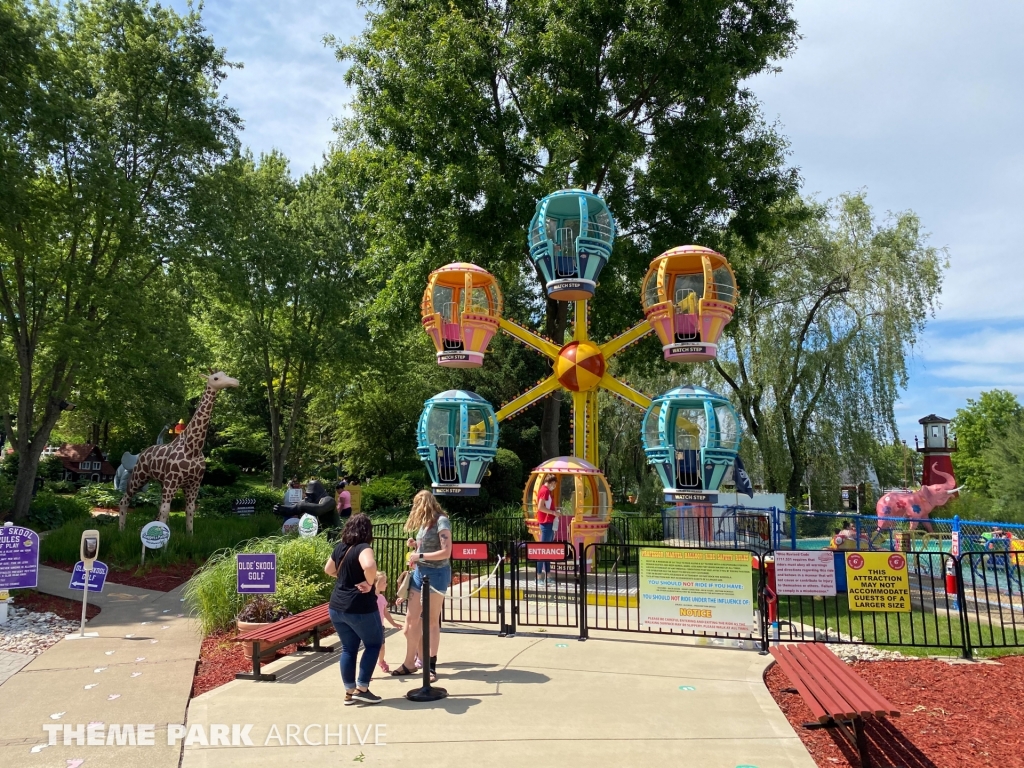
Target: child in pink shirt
[382, 605]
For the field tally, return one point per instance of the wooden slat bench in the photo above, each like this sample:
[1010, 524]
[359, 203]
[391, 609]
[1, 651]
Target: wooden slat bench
[294, 629]
[835, 694]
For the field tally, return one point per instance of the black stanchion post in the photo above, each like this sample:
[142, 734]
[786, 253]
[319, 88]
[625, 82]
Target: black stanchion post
[427, 692]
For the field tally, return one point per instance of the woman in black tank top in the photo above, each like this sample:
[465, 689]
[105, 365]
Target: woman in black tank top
[353, 608]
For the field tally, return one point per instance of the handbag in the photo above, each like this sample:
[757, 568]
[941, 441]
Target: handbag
[402, 590]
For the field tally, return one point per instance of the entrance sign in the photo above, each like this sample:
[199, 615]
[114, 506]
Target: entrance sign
[696, 589]
[878, 581]
[805, 573]
[155, 535]
[97, 576]
[550, 552]
[469, 550]
[19, 557]
[257, 573]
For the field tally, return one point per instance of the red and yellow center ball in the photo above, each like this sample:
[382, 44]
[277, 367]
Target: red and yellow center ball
[580, 366]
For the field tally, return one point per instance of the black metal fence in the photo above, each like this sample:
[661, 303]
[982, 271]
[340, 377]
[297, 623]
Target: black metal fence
[611, 599]
[962, 604]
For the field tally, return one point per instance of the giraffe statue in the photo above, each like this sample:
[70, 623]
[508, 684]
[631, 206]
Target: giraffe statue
[180, 463]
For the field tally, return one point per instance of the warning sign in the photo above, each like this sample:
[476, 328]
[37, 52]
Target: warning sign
[878, 581]
[805, 572]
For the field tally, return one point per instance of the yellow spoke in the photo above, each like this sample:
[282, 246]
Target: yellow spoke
[623, 340]
[529, 338]
[625, 391]
[528, 398]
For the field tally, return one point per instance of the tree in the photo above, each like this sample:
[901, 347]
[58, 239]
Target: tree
[112, 114]
[1005, 459]
[977, 426]
[465, 114]
[816, 354]
[279, 254]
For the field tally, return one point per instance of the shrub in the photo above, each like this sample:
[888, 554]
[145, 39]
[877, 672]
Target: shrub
[253, 461]
[504, 484]
[220, 474]
[302, 583]
[60, 486]
[388, 491]
[262, 610]
[100, 495]
[50, 468]
[73, 508]
[9, 466]
[43, 513]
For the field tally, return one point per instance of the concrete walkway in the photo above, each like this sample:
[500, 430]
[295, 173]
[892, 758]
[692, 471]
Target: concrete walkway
[534, 700]
[139, 670]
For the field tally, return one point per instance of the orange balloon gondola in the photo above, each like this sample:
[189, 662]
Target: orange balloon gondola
[689, 295]
[461, 307]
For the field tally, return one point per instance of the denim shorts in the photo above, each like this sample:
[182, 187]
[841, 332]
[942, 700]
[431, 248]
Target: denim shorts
[440, 578]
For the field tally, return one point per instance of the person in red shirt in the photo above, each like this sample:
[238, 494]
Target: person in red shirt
[546, 519]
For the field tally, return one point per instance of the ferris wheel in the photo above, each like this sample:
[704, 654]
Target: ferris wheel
[690, 434]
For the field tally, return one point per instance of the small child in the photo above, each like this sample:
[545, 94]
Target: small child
[382, 605]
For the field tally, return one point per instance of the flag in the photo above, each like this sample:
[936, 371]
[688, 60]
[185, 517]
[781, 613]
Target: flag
[742, 479]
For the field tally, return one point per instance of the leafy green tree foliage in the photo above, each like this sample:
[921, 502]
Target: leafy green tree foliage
[1005, 459]
[816, 354]
[896, 465]
[978, 426]
[466, 114]
[112, 114]
[280, 255]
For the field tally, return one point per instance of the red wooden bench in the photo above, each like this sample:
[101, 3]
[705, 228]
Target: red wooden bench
[294, 629]
[836, 695]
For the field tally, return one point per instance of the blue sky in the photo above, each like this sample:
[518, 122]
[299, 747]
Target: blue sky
[918, 102]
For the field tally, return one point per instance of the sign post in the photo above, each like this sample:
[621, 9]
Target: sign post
[704, 590]
[256, 573]
[154, 535]
[878, 581]
[19, 562]
[88, 551]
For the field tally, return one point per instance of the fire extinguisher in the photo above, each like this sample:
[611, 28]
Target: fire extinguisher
[950, 577]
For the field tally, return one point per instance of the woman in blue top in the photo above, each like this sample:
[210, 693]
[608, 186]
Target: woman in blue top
[432, 558]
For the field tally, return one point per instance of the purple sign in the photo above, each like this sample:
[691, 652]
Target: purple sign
[257, 574]
[19, 557]
[97, 576]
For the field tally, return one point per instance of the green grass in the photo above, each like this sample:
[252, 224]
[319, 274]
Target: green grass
[123, 548]
[924, 633]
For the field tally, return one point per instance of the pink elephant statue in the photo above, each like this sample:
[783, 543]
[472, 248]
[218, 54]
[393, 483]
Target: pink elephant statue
[915, 505]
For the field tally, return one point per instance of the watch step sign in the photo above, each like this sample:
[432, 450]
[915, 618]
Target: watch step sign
[257, 573]
[97, 576]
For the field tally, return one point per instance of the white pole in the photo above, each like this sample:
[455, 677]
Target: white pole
[85, 600]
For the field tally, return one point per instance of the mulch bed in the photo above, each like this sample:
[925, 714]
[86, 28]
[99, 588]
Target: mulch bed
[40, 602]
[220, 659]
[952, 715]
[162, 578]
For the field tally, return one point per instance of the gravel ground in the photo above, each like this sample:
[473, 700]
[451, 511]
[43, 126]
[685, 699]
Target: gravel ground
[32, 633]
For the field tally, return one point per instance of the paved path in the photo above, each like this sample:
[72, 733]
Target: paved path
[139, 670]
[11, 663]
[534, 700]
